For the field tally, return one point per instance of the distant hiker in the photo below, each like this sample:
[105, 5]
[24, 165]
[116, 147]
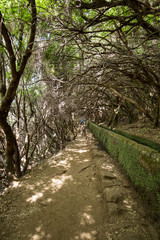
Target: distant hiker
[82, 129]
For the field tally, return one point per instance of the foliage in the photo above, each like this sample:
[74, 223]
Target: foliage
[94, 58]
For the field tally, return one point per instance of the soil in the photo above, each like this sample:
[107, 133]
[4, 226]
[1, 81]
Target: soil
[62, 199]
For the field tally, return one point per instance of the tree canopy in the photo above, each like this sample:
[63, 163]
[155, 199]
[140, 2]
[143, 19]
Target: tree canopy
[60, 60]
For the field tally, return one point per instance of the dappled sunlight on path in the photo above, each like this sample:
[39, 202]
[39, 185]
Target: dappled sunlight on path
[61, 199]
[57, 201]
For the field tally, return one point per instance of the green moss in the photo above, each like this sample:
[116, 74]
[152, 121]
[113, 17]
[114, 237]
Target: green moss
[140, 163]
[148, 163]
[138, 139]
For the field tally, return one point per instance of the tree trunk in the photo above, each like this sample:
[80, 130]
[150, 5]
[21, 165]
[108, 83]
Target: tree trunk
[12, 151]
[7, 96]
[27, 138]
[139, 107]
[2, 73]
[156, 122]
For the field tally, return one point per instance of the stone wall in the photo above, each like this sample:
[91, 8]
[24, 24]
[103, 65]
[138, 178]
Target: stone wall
[141, 163]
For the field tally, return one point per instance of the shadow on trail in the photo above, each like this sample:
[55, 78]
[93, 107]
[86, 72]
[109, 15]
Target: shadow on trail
[57, 201]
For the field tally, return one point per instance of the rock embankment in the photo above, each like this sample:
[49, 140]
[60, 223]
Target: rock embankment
[127, 217]
[141, 164]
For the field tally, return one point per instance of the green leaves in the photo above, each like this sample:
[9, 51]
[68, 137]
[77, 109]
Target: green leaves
[16, 9]
[2, 49]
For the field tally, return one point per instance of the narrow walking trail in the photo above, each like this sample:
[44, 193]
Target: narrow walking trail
[60, 200]
[57, 201]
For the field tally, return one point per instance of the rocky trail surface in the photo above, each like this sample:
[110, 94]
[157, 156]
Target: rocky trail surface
[78, 194]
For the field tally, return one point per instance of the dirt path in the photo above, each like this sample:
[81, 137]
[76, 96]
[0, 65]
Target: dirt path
[59, 200]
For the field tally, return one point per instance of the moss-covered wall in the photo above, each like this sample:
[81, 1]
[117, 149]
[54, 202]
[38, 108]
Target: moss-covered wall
[138, 139]
[141, 163]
